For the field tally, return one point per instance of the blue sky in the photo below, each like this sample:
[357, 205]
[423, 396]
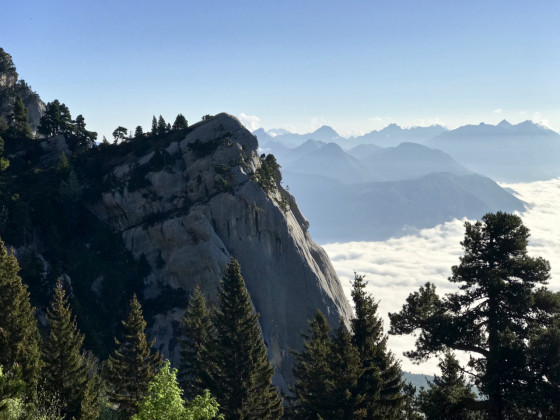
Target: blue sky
[354, 65]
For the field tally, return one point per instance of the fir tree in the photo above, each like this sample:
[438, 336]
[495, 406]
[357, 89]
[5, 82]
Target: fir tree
[445, 398]
[65, 368]
[19, 336]
[312, 372]
[138, 132]
[20, 120]
[92, 400]
[154, 126]
[197, 329]
[133, 364]
[346, 370]
[381, 382]
[161, 126]
[239, 370]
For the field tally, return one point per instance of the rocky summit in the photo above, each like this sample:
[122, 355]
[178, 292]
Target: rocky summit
[191, 206]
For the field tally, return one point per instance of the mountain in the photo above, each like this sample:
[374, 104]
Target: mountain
[513, 153]
[157, 216]
[364, 163]
[326, 159]
[380, 210]
[392, 135]
[324, 134]
[408, 161]
[11, 87]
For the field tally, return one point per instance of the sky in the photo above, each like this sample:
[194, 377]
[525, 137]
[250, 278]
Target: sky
[395, 268]
[354, 65]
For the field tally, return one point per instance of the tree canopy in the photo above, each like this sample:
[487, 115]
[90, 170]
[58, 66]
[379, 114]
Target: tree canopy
[501, 315]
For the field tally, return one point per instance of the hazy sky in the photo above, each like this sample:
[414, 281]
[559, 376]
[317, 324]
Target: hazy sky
[397, 267]
[355, 65]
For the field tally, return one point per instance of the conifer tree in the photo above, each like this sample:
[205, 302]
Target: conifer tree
[197, 330]
[445, 398]
[312, 371]
[133, 364]
[180, 123]
[240, 373]
[20, 120]
[19, 336]
[161, 126]
[346, 370]
[381, 382]
[154, 126]
[90, 405]
[65, 367]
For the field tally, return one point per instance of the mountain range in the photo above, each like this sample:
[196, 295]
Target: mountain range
[505, 152]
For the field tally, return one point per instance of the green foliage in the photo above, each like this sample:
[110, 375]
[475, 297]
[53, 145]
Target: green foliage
[180, 123]
[238, 371]
[207, 117]
[312, 370]
[197, 330]
[120, 134]
[20, 120]
[500, 314]
[163, 400]
[133, 364]
[56, 120]
[446, 396]
[267, 173]
[12, 390]
[381, 382]
[93, 399]
[19, 337]
[138, 174]
[64, 370]
[161, 126]
[202, 149]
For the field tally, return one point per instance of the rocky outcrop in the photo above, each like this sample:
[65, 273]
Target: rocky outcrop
[11, 88]
[190, 206]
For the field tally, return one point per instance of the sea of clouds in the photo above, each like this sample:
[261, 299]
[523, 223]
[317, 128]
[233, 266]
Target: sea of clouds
[397, 267]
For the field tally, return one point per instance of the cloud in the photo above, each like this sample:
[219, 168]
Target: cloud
[397, 267]
[252, 122]
[498, 111]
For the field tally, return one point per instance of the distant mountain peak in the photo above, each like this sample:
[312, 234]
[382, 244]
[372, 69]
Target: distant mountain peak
[504, 124]
[326, 130]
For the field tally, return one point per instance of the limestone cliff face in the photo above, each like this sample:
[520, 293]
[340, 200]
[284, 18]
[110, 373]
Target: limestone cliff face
[187, 209]
[11, 88]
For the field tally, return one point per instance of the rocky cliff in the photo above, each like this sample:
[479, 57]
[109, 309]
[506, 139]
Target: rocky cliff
[11, 88]
[189, 206]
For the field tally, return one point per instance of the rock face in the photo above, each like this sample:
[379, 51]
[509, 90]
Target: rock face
[11, 88]
[190, 207]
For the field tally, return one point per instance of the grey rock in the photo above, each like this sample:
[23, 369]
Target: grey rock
[204, 207]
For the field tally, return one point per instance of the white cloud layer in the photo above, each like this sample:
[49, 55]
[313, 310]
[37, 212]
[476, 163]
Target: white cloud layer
[252, 122]
[397, 267]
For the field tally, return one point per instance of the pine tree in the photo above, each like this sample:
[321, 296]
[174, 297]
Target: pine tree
[133, 364]
[346, 370]
[154, 126]
[381, 382]
[240, 373]
[161, 126]
[65, 368]
[19, 336]
[312, 371]
[92, 400]
[138, 132]
[180, 123]
[197, 330]
[445, 397]
[20, 120]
